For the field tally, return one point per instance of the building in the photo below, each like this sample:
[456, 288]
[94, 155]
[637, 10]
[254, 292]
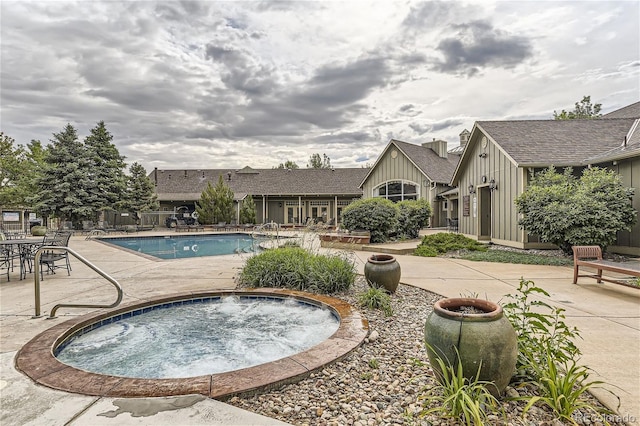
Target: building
[285, 196]
[407, 171]
[496, 164]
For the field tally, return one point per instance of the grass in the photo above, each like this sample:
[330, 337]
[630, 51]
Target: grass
[469, 249]
[503, 256]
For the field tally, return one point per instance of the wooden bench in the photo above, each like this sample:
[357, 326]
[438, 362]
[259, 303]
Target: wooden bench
[591, 256]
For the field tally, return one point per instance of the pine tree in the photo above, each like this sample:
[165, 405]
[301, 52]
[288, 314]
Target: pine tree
[248, 210]
[204, 207]
[222, 202]
[66, 190]
[107, 168]
[140, 193]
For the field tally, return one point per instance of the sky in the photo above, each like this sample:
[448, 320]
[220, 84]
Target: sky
[228, 84]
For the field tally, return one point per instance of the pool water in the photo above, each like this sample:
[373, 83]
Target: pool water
[181, 247]
[197, 337]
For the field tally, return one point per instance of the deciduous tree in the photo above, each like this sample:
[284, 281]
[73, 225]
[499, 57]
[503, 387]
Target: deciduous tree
[583, 109]
[566, 211]
[288, 165]
[316, 162]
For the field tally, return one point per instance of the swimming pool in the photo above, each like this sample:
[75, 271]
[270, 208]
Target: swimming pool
[183, 246]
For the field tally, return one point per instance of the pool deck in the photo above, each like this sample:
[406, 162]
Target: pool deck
[607, 315]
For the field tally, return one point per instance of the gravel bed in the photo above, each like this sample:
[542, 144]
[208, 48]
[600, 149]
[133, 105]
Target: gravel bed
[380, 382]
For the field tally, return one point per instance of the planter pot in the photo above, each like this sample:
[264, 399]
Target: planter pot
[38, 231]
[483, 337]
[383, 270]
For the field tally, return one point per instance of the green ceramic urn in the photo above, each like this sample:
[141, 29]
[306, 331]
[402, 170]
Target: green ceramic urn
[477, 332]
[383, 270]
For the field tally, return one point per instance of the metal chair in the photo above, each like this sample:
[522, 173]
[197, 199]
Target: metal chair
[52, 258]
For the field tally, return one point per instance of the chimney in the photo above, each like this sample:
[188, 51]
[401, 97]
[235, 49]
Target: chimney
[438, 146]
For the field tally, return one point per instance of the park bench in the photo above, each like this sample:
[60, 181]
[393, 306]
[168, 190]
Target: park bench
[591, 256]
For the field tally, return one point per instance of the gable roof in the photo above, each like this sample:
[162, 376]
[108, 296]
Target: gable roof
[436, 168]
[431, 165]
[535, 143]
[630, 111]
[189, 184]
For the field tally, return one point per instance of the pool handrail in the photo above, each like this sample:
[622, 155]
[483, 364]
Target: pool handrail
[36, 282]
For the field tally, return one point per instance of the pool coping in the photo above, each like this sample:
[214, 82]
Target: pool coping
[36, 360]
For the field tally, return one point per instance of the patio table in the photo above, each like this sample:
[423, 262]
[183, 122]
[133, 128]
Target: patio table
[22, 245]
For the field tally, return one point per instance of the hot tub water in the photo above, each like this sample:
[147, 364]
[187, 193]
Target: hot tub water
[196, 338]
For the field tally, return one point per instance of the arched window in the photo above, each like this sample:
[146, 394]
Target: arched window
[397, 190]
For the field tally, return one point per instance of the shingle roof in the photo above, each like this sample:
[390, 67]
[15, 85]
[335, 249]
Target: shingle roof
[436, 168]
[556, 142]
[627, 150]
[189, 184]
[630, 111]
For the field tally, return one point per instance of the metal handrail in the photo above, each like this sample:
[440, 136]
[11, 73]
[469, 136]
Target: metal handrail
[36, 282]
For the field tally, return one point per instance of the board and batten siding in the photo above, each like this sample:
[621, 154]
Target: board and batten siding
[390, 169]
[629, 171]
[509, 180]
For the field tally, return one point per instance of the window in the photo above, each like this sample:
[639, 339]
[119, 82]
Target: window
[397, 191]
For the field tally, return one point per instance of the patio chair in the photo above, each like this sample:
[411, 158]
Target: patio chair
[54, 259]
[6, 261]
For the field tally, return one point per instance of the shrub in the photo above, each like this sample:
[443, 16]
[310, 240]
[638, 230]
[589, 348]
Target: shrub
[379, 216]
[413, 215]
[297, 269]
[376, 298]
[567, 211]
[443, 242]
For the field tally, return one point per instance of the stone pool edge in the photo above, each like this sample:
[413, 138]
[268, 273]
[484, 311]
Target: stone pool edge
[36, 360]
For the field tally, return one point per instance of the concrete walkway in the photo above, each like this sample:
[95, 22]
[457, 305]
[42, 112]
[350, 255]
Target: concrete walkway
[608, 317]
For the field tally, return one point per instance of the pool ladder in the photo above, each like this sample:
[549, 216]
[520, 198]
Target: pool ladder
[36, 282]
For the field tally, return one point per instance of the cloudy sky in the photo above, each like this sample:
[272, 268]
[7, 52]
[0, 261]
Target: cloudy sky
[224, 84]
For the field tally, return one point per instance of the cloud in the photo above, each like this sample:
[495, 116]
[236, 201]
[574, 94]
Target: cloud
[228, 84]
[477, 45]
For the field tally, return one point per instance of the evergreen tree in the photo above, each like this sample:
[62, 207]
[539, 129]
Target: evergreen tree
[248, 210]
[204, 207]
[140, 193]
[107, 168]
[222, 202]
[66, 191]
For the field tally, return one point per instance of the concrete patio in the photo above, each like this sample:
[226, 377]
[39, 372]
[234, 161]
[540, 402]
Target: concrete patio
[607, 315]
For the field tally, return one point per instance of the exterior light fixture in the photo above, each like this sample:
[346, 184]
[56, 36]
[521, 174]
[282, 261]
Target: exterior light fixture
[471, 189]
[492, 185]
[483, 155]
